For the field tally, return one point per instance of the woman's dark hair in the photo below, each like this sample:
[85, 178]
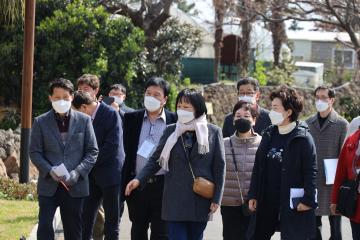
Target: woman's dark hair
[61, 83]
[193, 97]
[248, 106]
[290, 99]
[158, 82]
[80, 98]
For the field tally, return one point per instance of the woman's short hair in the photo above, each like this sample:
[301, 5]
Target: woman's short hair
[290, 99]
[195, 98]
[80, 98]
[248, 107]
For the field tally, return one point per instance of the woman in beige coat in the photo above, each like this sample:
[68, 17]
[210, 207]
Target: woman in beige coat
[240, 150]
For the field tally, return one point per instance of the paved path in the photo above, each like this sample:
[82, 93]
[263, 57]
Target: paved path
[214, 229]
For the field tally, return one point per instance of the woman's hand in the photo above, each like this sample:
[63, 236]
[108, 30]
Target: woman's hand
[252, 205]
[302, 207]
[213, 208]
[133, 184]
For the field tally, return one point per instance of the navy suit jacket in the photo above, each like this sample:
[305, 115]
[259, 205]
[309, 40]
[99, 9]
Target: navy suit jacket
[108, 130]
[132, 129]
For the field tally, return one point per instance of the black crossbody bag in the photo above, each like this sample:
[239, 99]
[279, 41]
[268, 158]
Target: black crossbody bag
[348, 196]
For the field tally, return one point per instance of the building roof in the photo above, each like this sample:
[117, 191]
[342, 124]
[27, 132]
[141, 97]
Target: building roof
[317, 36]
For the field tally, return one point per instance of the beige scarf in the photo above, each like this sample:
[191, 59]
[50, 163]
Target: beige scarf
[201, 131]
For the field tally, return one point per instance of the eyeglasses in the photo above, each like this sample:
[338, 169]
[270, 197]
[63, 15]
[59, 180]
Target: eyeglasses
[246, 93]
[321, 98]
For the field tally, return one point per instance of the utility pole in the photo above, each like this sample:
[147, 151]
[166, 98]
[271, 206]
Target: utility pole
[27, 87]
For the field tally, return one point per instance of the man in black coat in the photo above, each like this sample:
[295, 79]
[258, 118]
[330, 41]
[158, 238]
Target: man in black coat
[248, 91]
[142, 132]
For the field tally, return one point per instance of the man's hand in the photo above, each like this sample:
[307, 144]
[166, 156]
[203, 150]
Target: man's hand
[74, 177]
[302, 207]
[55, 177]
[132, 185]
[115, 106]
[213, 208]
[252, 205]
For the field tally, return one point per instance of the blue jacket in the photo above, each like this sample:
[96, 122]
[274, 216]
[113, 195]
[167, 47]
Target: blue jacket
[109, 135]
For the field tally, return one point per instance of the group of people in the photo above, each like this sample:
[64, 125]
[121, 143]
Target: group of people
[264, 170]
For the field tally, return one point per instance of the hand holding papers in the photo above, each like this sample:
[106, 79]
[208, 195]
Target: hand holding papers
[61, 171]
[295, 196]
[330, 166]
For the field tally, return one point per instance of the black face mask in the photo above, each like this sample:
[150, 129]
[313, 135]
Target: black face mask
[242, 125]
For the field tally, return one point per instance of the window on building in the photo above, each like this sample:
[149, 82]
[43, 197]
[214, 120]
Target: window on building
[344, 58]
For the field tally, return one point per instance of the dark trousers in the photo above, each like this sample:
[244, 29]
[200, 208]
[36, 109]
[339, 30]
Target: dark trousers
[145, 209]
[70, 210]
[186, 230]
[110, 198]
[235, 224]
[335, 227]
[267, 223]
[355, 228]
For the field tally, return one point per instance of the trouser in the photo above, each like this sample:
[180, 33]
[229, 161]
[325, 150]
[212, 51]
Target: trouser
[70, 210]
[98, 231]
[267, 223]
[110, 198]
[335, 227]
[186, 230]
[235, 224]
[355, 228]
[145, 209]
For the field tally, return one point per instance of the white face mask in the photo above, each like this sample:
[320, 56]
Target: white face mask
[61, 106]
[185, 116]
[248, 99]
[276, 117]
[118, 100]
[321, 106]
[151, 104]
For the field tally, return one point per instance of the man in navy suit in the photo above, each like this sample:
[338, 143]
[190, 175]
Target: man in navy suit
[142, 132]
[62, 136]
[105, 177]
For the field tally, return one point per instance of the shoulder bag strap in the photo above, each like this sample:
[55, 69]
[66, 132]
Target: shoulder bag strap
[187, 158]
[236, 170]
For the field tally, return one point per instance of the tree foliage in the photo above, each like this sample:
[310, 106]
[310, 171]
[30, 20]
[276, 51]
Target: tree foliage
[76, 38]
[11, 11]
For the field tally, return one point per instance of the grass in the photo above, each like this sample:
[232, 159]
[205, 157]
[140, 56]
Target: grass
[17, 218]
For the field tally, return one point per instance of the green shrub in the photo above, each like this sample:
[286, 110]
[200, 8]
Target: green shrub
[11, 190]
[351, 110]
[11, 120]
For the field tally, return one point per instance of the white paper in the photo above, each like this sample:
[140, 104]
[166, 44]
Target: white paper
[296, 193]
[61, 171]
[330, 166]
[146, 149]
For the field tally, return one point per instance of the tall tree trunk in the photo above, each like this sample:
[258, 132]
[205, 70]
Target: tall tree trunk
[243, 65]
[278, 33]
[219, 21]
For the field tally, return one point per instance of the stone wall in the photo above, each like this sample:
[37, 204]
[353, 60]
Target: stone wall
[224, 96]
[10, 155]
